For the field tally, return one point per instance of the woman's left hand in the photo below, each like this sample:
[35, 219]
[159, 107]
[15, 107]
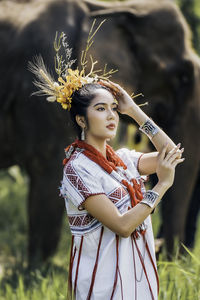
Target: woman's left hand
[125, 102]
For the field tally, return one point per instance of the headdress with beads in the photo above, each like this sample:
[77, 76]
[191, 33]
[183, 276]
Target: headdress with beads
[69, 80]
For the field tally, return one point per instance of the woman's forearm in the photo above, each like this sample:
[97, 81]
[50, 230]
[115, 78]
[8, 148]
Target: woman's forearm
[135, 216]
[160, 138]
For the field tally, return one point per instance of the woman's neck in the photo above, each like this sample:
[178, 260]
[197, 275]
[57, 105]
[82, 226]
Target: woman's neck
[99, 144]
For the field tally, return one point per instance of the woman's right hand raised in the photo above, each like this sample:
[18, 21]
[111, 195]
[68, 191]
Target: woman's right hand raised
[167, 163]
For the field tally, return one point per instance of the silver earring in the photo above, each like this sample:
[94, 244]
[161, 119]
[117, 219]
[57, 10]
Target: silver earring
[82, 135]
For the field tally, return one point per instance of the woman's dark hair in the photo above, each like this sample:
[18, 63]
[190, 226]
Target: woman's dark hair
[81, 99]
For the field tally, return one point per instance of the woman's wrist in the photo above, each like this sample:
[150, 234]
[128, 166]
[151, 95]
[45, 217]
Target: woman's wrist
[137, 114]
[152, 197]
[157, 136]
[161, 187]
[147, 125]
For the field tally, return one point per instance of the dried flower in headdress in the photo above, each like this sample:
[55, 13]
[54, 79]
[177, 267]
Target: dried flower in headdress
[69, 80]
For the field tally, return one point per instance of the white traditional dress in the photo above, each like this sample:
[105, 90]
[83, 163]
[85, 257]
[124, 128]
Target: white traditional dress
[104, 265]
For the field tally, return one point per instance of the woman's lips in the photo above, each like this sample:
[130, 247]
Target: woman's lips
[111, 126]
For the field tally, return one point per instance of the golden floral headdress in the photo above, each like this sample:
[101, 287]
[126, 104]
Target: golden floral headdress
[69, 80]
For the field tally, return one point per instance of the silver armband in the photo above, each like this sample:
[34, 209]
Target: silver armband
[149, 128]
[150, 198]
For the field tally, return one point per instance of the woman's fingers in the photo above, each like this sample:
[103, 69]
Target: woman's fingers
[176, 151]
[173, 157]
[177, 154]
[112, 83]
[172, 151]
[163, 152]
[177, 161]
[114, 86]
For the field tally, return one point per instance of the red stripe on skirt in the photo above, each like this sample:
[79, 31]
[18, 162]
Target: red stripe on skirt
[120, 277]
[77, 267]
[145, 272]
[70, 266]
[134, 266]
[116, 271]
[95, 266]
[154, 267]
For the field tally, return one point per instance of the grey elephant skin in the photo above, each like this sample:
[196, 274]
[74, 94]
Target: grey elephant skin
[34, 133]
[149, 42]
[150, 45]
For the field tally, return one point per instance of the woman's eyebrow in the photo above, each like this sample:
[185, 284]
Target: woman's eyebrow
[103, 103]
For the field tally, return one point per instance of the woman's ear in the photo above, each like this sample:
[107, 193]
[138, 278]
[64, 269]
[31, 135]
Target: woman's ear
[80, 121]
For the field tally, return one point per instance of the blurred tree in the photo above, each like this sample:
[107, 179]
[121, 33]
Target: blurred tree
[191, 11]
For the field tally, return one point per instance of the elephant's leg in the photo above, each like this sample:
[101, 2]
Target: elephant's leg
[192, 216]
[176, 202]
[45, 210]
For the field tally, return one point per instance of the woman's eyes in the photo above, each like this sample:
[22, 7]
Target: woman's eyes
[103, 108]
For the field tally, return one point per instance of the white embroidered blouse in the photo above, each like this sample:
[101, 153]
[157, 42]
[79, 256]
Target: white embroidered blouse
[135, 263]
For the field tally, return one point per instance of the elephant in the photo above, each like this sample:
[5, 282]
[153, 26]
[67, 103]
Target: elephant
[33, 133]
[150, 43]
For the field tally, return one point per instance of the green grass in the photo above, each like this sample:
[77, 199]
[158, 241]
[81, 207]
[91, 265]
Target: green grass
[179, 279]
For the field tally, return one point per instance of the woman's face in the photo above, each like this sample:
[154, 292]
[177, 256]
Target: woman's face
[102, 116]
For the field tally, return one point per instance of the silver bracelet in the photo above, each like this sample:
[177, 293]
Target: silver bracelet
[149, 128]
[150, 198]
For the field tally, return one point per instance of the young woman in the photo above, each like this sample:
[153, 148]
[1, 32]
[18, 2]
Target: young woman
[112, 253]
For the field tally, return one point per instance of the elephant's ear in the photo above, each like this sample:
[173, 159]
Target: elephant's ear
[115, 43]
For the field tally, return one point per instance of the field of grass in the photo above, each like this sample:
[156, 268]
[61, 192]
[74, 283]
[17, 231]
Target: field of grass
[179, 279]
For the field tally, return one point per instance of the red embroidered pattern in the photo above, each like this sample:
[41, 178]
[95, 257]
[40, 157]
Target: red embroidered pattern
[117, 195]
[76, 181]
[82, 220]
